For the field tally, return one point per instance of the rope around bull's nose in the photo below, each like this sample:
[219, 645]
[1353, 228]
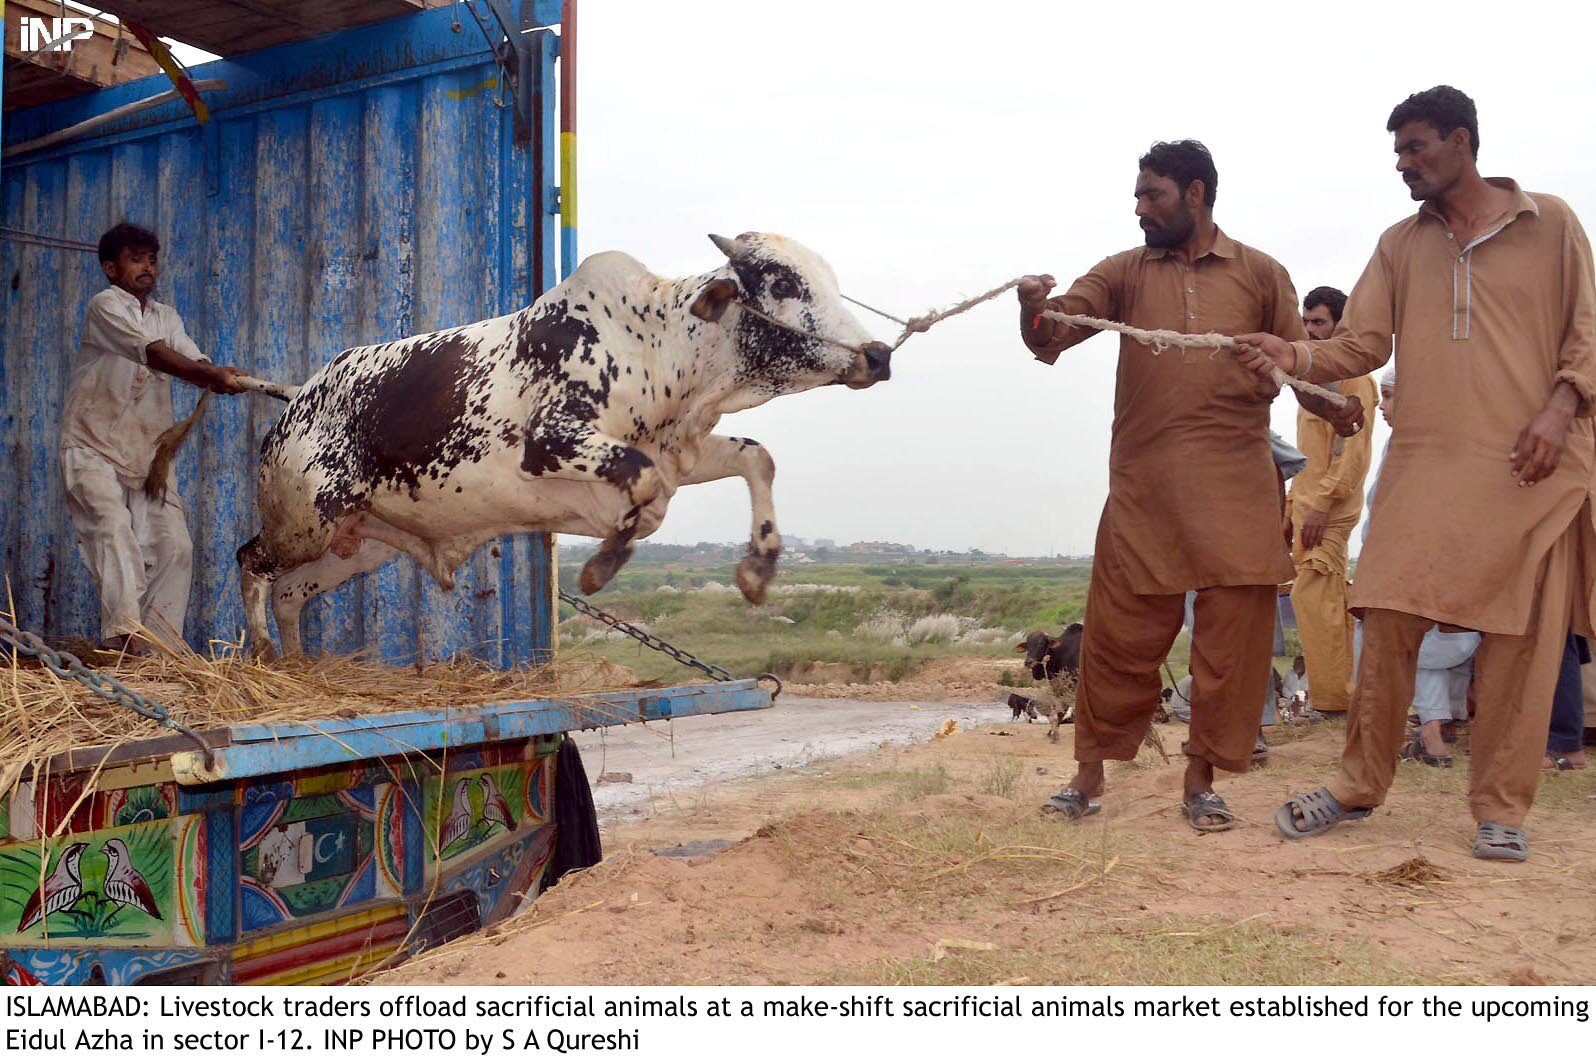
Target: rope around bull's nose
[1159, 339]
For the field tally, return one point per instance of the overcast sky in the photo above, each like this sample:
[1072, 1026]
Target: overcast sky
[933, 150]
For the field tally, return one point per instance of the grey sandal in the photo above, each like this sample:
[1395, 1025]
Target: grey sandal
[1070, 803]
[1496, 841]
[1317, 810]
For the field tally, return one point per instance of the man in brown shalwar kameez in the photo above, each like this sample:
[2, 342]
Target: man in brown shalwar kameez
[1193, 499]
[1482, 519]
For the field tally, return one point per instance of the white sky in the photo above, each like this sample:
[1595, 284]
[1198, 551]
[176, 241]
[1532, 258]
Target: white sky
[933, 150]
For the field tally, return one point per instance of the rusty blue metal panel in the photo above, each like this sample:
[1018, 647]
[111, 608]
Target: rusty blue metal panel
[351, 189]
[262, 749]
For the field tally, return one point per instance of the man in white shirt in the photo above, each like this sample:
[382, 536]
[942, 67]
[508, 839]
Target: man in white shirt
[137, 549]
[1296, 679]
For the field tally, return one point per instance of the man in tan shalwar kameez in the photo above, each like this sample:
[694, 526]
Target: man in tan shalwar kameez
[1482, 519]
[1325, 502]
[1193, 499]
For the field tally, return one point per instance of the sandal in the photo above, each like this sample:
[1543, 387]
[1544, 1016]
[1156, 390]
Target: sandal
[1318, 811]
[1496, 841]
[1209, 804]
[1070, 803]
[1414, 750]
[1260, 752]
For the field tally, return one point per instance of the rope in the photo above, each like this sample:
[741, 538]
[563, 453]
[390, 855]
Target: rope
[1161, 339]
[763, 316]
[925, 321]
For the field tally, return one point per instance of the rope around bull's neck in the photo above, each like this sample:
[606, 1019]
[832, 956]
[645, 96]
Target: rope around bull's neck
[1159, 339]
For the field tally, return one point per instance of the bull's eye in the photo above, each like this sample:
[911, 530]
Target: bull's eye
[785, 288]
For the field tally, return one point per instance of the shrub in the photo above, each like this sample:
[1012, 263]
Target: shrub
[939, 627]
[999, 776]
[882, 627]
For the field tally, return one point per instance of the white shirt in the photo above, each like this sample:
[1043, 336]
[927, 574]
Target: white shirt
[1182, 695]
[117, 405]
[1292, 684]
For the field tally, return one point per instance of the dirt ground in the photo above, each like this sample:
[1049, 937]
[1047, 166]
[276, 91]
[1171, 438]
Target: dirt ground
[928, 863]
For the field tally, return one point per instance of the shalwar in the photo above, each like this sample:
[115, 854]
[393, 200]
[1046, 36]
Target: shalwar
[138, 551]
[1193, 500]
[1486, 330]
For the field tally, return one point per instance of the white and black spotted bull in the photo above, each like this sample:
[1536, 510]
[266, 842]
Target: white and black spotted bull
[582, 413]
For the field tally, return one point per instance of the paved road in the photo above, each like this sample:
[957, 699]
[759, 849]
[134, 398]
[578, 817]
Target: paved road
[702, 750]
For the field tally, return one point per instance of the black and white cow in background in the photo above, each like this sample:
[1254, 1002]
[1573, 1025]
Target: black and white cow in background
[582, 413]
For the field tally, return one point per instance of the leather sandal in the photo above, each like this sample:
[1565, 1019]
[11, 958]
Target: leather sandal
[1072, 804]
[1205, 805]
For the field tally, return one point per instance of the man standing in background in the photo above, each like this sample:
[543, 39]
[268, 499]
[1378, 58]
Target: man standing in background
[1325, 503]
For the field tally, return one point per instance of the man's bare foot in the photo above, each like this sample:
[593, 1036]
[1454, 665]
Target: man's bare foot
[1205, 809]
[1074, 802]
[127, 645]
[1088, 778]
[1431, 736]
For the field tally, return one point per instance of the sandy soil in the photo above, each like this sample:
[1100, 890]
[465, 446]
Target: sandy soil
[906, 863]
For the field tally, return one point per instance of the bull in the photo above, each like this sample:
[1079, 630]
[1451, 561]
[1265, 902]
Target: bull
[582, 413]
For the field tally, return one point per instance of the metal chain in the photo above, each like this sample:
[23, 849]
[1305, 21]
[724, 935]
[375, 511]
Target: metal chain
[681, 656]
[68, 666]
[714, 671]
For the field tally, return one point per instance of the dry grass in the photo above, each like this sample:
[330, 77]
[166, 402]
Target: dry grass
[43, 715]
[1172, 952]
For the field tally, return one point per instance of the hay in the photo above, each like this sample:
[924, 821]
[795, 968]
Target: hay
[1416, 873]
[43, 715]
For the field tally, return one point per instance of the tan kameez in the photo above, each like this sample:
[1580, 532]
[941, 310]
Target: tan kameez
[1483, 332]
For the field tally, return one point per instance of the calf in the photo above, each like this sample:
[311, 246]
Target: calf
[1058, 661]
[582, 413]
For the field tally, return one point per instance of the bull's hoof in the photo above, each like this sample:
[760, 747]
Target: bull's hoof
[754, 573]
[601, 568]
[263, 652]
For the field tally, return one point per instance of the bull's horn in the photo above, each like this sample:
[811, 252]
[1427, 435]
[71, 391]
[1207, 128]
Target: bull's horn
[727, 247]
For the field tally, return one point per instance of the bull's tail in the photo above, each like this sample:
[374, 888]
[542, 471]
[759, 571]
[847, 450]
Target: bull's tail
[166, 447]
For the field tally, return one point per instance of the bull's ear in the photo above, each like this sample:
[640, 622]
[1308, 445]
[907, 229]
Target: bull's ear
[714, 299]
[1054, 643]
[1020, 648]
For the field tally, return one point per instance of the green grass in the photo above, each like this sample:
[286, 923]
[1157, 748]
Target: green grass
[820, 618]
[905, 784]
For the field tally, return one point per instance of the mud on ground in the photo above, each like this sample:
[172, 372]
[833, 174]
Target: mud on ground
[931, 864]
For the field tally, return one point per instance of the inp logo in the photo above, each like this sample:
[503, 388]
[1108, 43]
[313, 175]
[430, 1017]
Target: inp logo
[37, 34]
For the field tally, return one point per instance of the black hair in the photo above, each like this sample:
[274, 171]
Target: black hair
[1183, 161]
[1332, 299]
[119, 238]
[1444, 108]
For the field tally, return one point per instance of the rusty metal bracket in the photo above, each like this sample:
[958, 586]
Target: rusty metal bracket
[513, 53]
